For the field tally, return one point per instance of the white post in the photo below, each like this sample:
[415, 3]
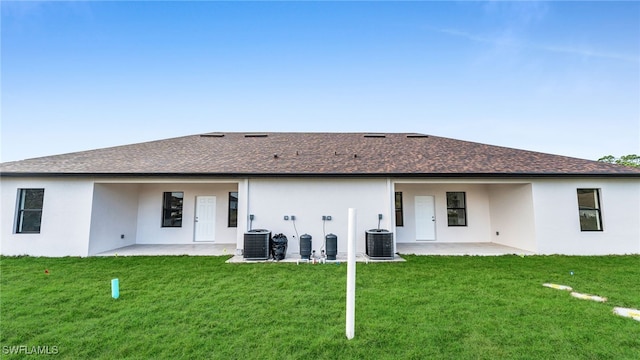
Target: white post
[351, 274]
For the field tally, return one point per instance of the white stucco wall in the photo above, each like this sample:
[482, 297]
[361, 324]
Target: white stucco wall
[542, 217]
[478, 227]
[512, 216]
[114, 213]
[308, 199]
[66, 217]
[557, 224]
[149, 229]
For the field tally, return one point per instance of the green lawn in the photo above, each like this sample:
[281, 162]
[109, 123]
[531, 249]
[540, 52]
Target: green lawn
[427, 307]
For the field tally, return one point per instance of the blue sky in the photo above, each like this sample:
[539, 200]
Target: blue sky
[555, 77]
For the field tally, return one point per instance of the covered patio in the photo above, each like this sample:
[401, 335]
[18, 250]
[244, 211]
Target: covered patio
[144, 217]
[464, 217]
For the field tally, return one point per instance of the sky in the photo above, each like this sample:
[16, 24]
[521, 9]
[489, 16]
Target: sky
[555, 77]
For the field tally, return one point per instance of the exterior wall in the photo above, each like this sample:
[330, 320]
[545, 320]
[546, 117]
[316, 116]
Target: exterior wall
[80, 218]
[114, 213]
[478, 227]
[149, 229]
[66, 217]
[512, 216]
[558, 226]
[308, 199]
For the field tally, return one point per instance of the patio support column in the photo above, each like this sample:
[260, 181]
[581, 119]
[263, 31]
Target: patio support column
[243, 212]
[391, 190]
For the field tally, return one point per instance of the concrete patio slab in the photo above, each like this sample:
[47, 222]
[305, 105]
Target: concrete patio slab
[432, 248]
[295, 258]
[172, 250]
[220, 250]
[459, 249]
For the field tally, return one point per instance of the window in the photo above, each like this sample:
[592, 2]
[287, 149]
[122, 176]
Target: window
[233, 209]
[29, 212]
[399, 217]
[589, 209]
[456, 209]
[172, 209]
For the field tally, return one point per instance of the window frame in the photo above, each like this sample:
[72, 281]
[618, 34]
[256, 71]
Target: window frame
[399, 209]
[463, 208]
[597, 209]
[167, 208]
[232, 221]
[21, 210]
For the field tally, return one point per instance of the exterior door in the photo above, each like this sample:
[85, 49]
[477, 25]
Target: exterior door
[205, 229]
[425, 218]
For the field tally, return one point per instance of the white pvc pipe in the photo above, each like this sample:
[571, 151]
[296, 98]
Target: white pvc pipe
[115, 288]
[351, 274]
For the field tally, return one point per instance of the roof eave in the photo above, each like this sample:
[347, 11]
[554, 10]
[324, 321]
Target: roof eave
[323, 175]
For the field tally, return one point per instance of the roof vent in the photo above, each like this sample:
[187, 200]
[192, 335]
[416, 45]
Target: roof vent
[255, 135]
[417, 136]
[375, 135]
[212, 135]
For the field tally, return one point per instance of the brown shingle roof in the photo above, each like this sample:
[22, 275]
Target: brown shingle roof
[284, 154]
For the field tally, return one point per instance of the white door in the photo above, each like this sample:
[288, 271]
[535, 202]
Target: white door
[425, 218]
[205, 218]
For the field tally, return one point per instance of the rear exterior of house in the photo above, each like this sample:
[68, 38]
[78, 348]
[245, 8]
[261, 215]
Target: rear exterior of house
[212, 188]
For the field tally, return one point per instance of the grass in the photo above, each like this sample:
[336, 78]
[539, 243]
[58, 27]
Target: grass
[427, 307]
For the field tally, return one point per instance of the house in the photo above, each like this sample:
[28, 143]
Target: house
[212, 188]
